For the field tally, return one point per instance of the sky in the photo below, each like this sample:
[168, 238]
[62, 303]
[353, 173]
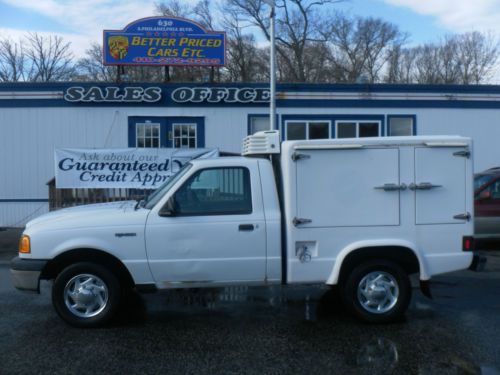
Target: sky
[82, 21]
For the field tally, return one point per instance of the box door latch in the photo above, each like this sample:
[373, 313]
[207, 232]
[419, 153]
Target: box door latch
[296, 156]
[300, 221]
[465, 153]
[465, 216]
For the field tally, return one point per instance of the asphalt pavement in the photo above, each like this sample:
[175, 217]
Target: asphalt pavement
[278, 330]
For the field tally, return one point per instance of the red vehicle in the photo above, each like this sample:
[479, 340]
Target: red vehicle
[487, 204]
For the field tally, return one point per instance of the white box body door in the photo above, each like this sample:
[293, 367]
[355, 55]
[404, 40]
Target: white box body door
[440, 180]
[344, 188]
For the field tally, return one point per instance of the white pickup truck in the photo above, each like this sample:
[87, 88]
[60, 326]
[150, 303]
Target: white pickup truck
[362, 214]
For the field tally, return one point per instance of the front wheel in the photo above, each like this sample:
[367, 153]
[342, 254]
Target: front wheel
[86, 295]
[377, 291]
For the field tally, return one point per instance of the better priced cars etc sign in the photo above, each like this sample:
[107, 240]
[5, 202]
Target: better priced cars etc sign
[139, 168]
[164, 41]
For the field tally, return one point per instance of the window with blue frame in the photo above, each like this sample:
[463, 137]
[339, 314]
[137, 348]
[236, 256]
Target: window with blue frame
[169, 132]
[357, 129]
[258, 123]
[332, 126]
[314, 129]
[401, 125]
[147, 135]
[184, 135]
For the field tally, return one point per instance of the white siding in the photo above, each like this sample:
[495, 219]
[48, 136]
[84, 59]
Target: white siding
[16, 215]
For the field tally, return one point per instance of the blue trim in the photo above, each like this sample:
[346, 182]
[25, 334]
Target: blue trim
[24, 200]
[363, 90]
[413, 117]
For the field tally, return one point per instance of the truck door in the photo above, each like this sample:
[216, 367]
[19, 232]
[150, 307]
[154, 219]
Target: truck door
[440, 185]
[348, 188]
[216, 234]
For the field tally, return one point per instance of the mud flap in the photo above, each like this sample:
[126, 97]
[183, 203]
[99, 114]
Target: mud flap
[425, 288]
[478, 263]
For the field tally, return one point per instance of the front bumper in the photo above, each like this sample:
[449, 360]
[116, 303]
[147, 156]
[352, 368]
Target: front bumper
[26, 273]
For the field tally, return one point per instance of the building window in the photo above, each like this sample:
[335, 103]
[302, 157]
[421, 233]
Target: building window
[147, 135]
[400, 125]
[357, 129]
[307, 130]
[258, 124]
[184, 135]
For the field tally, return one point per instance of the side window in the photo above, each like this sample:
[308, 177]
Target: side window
[494, 190]
[358, 129]
[257, 124]
[307, 130]
[400, 125]
[147, 135]
[215, 191]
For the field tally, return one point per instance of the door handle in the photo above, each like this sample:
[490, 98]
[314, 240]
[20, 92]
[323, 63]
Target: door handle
[246, 227]
[423, 186]
[391, 187]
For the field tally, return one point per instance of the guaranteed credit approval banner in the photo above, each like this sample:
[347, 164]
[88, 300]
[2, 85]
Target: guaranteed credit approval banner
[140, 168]
[164, 41]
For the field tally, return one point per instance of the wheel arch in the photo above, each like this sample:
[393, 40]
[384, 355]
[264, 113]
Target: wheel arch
[63, 260]
[400, 252]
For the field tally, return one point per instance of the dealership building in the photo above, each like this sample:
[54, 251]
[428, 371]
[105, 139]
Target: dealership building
[36, 119]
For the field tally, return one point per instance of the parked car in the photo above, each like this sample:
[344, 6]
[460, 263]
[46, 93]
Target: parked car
[487, 203]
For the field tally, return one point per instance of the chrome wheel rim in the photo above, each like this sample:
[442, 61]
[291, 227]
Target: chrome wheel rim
[378, 292]
[86, 295]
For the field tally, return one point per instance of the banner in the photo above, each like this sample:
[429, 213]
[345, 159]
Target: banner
[164, 41]
[139, 168]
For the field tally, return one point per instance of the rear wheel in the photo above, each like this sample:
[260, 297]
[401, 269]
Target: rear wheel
[86, 295]
[377, 291]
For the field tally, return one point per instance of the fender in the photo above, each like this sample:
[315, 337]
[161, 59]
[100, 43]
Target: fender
[83, 243]
[339, 260]
[138, 268]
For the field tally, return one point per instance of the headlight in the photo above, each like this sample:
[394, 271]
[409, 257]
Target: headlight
[24, 244]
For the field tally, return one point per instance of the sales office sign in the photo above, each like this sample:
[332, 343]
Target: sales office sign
[133, 94]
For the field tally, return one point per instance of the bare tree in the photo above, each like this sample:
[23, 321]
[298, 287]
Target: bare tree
[91, 67]
[478, 54]
[297, 27]
[174, 8]
[400, 65]
[12, 61]
[244, 63]
[361, 47]
[50, 58]
[468, 58]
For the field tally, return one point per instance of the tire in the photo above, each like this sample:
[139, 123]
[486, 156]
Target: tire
[377, 291]
[86, 295]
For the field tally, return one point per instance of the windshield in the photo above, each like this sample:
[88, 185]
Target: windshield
[160, 192]
[481, 180]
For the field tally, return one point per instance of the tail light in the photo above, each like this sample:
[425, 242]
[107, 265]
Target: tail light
[468, 243]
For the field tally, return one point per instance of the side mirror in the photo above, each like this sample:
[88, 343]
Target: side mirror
[484, 195]
[168, 210]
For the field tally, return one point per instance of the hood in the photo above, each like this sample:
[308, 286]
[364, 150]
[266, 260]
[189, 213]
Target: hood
[92, 215]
